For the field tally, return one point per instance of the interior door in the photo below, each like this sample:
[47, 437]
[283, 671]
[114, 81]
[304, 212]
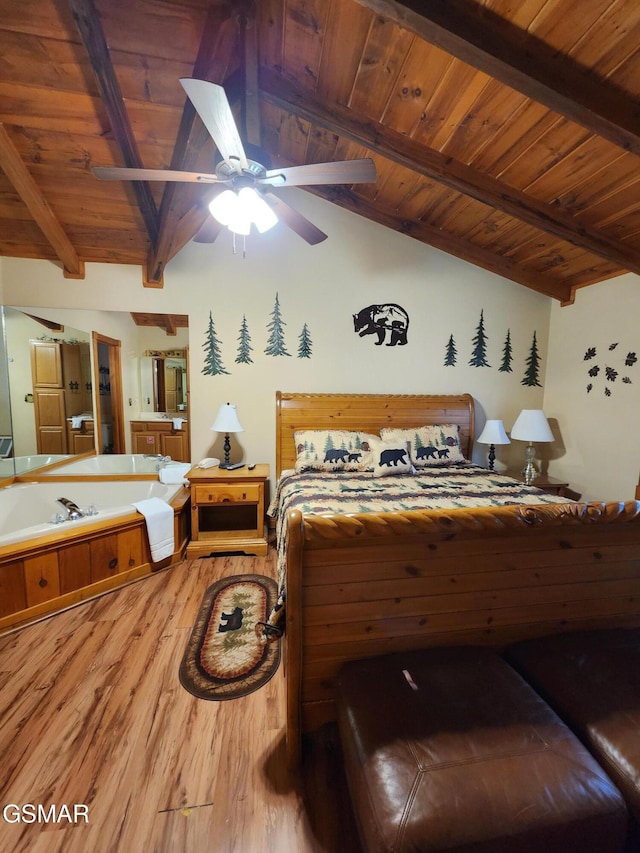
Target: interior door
[107, 367]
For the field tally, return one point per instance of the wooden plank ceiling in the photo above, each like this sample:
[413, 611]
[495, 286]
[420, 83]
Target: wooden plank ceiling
[507, 134]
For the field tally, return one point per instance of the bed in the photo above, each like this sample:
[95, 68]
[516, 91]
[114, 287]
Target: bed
[360, 584]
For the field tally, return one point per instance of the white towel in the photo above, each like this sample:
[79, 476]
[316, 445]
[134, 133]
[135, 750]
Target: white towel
[173, 474]
[159, 518]
[76, 421]
[177, 423]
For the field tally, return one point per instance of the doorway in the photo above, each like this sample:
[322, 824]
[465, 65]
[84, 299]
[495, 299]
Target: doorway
[109, 402]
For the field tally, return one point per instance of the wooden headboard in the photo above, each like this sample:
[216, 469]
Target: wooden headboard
[367, 412]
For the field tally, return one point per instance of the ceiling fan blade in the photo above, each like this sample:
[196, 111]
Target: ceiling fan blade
[121, 173]
[211, 104]
[296, 221]
[342, 172]
[209, 231]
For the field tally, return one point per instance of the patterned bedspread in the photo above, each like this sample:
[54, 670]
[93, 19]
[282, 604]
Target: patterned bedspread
[442, 487]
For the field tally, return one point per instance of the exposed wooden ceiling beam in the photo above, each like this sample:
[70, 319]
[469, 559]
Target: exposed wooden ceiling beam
[192, 137]
[48, 324]
[478, 36]
[16, 171]
[89, 26]
[170, 323]
[444, 241]
[453, 173]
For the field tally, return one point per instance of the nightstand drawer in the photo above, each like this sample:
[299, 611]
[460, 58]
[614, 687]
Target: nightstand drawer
[236, 493]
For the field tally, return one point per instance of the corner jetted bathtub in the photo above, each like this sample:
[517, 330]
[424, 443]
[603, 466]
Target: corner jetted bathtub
[26, 509]
[106, 465]
[46, 567]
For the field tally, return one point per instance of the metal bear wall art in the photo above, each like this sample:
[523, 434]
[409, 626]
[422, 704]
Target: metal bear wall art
[388, 321]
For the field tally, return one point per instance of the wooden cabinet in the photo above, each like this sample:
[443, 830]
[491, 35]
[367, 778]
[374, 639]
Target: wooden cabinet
[61, 376]
[160, 436]
[50, 419]
[46, 364]
[227, 510]
[80, 439]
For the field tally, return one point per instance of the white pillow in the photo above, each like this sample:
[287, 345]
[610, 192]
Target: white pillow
[390, 457]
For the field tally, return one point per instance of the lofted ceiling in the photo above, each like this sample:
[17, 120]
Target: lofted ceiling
[504, 133]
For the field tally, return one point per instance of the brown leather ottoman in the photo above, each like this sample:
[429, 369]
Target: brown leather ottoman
[592, 679]
[450, 750]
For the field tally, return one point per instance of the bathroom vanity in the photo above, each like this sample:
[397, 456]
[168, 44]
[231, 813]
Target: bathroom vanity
[160, 435]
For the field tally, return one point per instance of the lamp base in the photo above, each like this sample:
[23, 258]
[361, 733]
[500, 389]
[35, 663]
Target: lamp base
[492, 456]
[529, 471]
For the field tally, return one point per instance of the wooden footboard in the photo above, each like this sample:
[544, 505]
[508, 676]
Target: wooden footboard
[364, 585]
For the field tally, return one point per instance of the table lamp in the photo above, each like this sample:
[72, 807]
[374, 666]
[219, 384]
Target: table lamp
[492, 434]
[226, 422]
[531, 425]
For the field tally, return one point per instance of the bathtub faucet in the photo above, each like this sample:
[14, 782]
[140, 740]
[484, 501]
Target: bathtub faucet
[73, 510]
[162, 460]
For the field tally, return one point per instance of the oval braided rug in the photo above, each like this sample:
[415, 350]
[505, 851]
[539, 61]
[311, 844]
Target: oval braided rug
[226, 656]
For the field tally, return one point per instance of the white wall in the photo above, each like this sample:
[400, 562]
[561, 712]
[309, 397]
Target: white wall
[361, 263]
[601, 455]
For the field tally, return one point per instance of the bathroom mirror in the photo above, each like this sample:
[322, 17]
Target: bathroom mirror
[163, 381]
[140, 344]
[7, 468]
[48, 391]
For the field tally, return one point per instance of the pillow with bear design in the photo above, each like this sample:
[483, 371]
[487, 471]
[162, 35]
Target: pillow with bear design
[391, 457]
[438, 444]
[333, 450]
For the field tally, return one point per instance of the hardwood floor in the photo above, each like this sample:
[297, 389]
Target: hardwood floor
[92, 713]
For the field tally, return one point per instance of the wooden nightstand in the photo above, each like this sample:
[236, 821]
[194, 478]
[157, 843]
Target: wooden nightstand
[227, 511]
[542, 481]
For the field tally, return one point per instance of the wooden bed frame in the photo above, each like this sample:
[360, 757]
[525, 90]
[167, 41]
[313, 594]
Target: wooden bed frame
[364, 585]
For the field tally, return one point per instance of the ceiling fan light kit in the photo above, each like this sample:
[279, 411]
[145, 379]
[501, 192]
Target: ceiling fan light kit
[247, 199]
[238, 211]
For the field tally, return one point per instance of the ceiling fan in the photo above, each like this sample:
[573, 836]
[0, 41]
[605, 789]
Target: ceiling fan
[245, 173]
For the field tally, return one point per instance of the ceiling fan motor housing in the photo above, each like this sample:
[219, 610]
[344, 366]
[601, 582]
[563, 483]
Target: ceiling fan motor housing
[258, 160]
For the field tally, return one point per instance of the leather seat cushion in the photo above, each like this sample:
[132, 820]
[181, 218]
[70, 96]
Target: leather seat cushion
[592, 679]
[450, 749]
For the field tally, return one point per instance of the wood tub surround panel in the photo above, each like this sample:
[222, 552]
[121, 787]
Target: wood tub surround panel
[42, 576]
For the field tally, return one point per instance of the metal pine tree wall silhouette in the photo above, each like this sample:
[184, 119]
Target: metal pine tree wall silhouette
[244, 344]
[450, 353]
[275, 341]
[212, 359]
[304, 343]
[507, 355]
[531, 376]
[479, 353]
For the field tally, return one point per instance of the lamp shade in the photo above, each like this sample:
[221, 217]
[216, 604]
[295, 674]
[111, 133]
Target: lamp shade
[493, 433]
[227, 420]
[531, 425]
